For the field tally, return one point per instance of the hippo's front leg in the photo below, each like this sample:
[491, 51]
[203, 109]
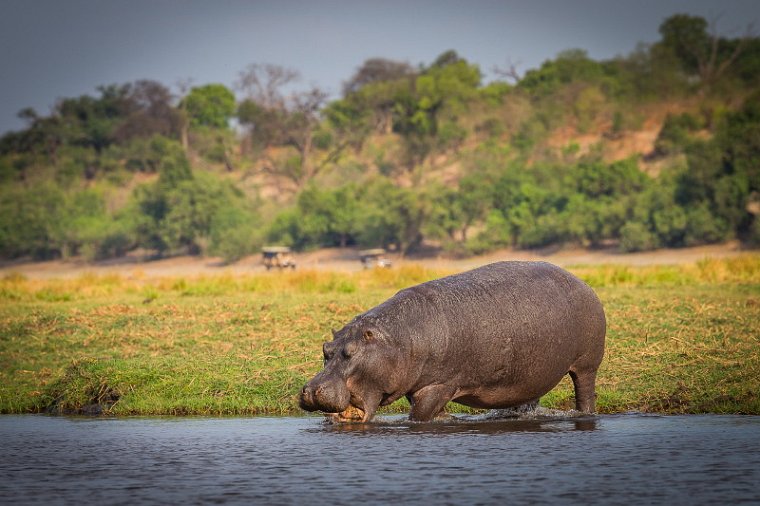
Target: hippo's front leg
[369, 403]
[365, 397]
[428, 401]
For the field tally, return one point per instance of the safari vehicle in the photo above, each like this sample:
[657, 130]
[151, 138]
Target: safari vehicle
[277, 256]
[374, 258]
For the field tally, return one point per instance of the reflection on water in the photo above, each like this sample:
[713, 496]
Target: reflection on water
[400, 426]
[605, 459]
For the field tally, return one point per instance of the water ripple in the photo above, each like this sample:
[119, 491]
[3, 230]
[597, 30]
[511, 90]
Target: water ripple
[473, 460]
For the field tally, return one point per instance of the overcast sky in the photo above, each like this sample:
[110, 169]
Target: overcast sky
[66, 48]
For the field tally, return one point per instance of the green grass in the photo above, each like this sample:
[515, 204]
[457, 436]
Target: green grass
[681, 339]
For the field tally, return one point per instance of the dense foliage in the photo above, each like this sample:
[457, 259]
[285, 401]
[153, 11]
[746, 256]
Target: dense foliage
[405, 155]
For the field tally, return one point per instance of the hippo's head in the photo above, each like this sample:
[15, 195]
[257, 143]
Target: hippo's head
[360, 374]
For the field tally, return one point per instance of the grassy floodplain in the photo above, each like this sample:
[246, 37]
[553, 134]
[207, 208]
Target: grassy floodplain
[681, 339]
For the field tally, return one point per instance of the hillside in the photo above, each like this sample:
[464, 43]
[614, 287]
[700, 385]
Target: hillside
[658, 148]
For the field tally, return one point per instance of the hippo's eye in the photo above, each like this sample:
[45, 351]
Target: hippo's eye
[327, 351]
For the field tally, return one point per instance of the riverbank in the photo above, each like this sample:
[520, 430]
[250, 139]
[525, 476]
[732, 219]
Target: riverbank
[681, 338]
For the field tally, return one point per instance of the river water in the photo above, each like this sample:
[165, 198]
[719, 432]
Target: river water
[620, 459]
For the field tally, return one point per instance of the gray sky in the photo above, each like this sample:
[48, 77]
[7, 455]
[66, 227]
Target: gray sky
[66, 48]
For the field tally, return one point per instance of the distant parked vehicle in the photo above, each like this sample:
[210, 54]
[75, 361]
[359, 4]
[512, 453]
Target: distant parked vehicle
[374, 258]
[277, 256]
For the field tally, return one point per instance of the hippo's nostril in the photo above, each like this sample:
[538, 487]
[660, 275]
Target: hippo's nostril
[306, 400]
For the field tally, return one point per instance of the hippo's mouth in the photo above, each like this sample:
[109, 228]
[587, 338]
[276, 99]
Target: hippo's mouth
[350, 414]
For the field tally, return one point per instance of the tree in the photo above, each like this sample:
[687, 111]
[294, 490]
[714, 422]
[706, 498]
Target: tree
[350, 121]
[234, 232]
[320, 218]
[147, 111]
[649, 72]
[43, 136]
[739, 138]
[207, 111]
[186, 212]
[391, 217]
[446, 214]
[90, 122]
[274, 119]
[474, 200]
[377, 70]
[635, 236]
[370, 95]
[81, 131]
[184, 85]
[722, 173]
[300, 127]
[572, 65]
[700, 52]
[426, 116]
[210, 106]
[30, 221]
[345, 208]
[687, 37]
[153, 202]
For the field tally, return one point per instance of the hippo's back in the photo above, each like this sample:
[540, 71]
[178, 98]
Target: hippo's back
[508, 290]
[495, 320]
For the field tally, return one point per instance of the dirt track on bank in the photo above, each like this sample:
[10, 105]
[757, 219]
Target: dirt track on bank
[347, 260]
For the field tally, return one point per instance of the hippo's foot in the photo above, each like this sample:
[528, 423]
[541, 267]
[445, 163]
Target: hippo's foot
[351, 414]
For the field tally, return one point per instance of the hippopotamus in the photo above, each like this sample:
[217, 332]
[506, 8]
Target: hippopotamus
[498, 336]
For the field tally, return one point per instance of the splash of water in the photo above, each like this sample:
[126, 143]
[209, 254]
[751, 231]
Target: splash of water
[528, 412]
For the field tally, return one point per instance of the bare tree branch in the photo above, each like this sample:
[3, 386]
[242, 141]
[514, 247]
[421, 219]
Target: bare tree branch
[709, 67]
[277, 119]
[743, 41]
[508, 72]
[263, 82]
[184, 85]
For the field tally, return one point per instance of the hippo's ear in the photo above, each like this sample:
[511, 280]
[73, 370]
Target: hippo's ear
[369, 335]
[334, 333]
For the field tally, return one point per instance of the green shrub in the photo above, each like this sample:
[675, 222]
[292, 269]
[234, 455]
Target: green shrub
[234, 233]
[675, 133]
[497, 234]
[31, 221]
[753, 238]
[177, 213]
[636, 236]
[703, 227]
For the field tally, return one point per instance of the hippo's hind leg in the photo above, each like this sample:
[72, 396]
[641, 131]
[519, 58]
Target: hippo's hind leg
[429, 401]
[585, 390]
